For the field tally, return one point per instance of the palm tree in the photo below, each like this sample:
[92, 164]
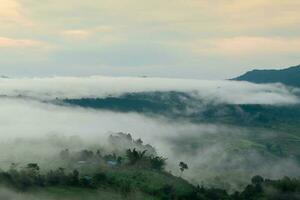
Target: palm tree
[134, 155]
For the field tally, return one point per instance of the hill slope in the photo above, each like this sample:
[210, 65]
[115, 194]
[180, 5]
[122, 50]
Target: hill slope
[289, 76]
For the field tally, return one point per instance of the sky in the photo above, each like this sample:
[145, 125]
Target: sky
[202, 39]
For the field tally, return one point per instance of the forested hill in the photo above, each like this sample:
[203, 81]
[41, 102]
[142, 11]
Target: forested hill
[289, 76]
[179, 105]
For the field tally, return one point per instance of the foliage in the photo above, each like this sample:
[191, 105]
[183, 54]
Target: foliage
[183, 166]
[154, 183]
[140, 158]
[136, 172]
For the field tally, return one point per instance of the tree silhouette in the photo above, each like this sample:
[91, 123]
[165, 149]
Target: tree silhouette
[183, 166]
[157, 162]
[134, 155]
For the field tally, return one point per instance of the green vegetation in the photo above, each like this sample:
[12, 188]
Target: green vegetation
[283, 121]
[133, 175]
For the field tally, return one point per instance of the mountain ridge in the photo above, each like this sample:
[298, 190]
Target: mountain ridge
[289, 76]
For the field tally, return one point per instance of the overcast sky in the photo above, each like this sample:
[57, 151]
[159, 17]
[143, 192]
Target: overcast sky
[207, 39]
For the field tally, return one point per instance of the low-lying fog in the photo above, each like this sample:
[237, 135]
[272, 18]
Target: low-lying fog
[34, 131]
[232, 92]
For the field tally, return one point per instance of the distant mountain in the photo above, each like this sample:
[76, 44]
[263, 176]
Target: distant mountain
[180, 105]
[289, 76]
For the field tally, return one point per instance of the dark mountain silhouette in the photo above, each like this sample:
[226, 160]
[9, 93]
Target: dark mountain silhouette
[289, 76]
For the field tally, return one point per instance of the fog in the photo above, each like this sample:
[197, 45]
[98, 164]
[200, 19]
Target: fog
[34, 131]
[97, 86]
[8, 194]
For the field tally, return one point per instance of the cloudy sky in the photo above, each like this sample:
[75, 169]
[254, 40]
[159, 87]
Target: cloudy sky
[207, 39]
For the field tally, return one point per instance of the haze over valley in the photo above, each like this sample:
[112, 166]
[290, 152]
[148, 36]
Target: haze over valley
[224, 130]
[150, 100]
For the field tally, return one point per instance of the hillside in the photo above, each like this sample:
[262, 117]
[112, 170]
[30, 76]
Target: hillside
[282, 120]
[289, 76]
[133, 174]
[180, 105]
